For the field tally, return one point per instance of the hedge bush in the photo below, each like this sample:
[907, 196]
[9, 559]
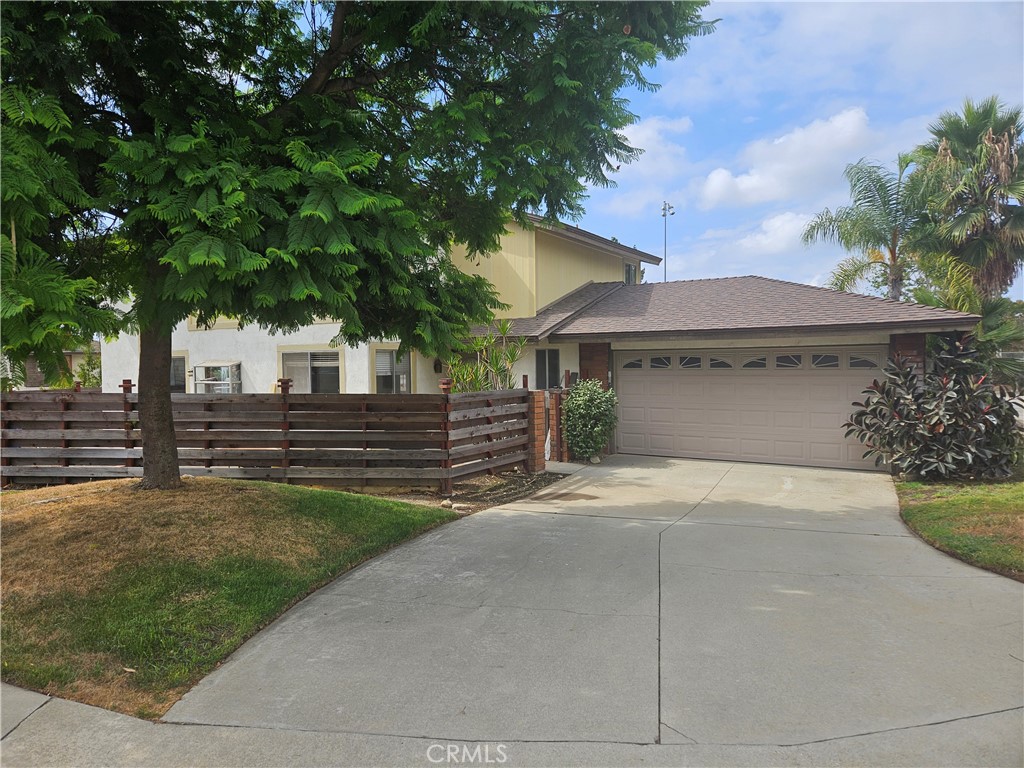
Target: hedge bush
[588, 418]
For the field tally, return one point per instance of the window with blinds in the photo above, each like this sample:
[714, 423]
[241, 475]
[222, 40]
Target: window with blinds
[312, 372]
[393, 375]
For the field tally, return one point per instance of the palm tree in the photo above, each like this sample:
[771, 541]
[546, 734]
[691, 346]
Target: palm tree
[879, 225]
[976, 180]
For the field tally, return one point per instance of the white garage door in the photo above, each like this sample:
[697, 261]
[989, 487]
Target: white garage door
[784, 406]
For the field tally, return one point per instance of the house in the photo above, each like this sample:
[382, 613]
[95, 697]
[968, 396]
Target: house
[740, 368]
[533, 268]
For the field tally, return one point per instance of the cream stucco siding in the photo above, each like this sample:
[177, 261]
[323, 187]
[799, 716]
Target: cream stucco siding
[511, 270]
[567, 265]
[257, 349]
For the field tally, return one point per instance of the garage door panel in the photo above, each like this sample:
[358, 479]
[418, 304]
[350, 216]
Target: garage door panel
[631, 441]
[754, 449]
[789, 419]
[690, 417]
[826, 421]
[788, 416]
[790, 449]
[661, 415]
[754, 419]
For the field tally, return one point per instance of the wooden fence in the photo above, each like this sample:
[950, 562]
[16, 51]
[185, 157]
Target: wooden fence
[338, 440]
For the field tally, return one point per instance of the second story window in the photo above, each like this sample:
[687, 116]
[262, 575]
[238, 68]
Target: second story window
[630, 276]
[548, 374]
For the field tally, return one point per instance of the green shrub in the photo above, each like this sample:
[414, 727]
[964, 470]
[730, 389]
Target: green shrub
[486, 362]
[588, 418]
[950, 424]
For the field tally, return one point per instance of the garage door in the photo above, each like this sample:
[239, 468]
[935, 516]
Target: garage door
[784, 406]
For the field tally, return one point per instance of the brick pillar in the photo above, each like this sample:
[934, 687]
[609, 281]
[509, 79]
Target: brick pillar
[595, 362]
[910, 346]
[537, 431]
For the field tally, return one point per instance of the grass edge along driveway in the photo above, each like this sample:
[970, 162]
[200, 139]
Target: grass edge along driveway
[981, 523]
[124, 599]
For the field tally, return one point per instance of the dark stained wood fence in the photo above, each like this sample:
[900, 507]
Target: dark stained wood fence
[338, 440]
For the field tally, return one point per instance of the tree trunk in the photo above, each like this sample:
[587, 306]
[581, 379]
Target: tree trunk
[159, 446]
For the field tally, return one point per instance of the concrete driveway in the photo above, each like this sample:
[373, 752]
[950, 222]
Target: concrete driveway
[643, 611]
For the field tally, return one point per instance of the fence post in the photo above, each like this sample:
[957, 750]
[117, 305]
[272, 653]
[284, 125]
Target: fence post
[447, 486]
[5, 460]
[286, 443]
[126, 389]
[526, 381]
[536, 430]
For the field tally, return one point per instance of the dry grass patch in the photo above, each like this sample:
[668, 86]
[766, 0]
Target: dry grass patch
[124, 598]
[70, 536]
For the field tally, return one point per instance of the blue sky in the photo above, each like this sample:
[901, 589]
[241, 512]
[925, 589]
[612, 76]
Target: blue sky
[751, 130]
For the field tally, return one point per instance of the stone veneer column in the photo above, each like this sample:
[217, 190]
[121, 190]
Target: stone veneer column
[536, 430]
[910, 346]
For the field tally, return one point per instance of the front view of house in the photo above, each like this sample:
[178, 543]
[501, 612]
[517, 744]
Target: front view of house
[739, 368]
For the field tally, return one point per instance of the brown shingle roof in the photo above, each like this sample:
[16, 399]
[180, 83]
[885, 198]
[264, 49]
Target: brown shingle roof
[732, 304]
[557, 312]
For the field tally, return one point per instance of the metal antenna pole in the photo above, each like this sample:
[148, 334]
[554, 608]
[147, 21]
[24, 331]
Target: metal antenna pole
[666, 211]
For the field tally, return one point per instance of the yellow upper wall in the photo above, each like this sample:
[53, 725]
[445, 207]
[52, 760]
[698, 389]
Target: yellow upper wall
[510, 270]
[565, 266]
[534, 268]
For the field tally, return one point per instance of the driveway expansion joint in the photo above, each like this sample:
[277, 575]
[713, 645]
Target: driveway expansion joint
[26, 717]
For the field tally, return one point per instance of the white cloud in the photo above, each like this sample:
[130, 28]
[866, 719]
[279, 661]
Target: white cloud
[781, 233]
[642, 185]
[795, 163]
[765, 53]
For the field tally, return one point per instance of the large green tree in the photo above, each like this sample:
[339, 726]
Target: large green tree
[280, 162]
[878, 226]
[976, 180]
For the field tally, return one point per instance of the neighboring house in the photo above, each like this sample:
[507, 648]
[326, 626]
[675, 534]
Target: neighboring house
[34, 377]
[741, 368]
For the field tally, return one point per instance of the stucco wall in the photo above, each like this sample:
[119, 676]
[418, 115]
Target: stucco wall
[258, 350]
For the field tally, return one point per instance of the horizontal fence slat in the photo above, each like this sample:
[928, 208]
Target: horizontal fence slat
[69, 434]
[462, 398]
[479, 467]
[15, 470]
[482, 449]
[488, 429]
[497, 410]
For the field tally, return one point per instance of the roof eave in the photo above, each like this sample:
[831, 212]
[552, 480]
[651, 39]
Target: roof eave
[935, 326]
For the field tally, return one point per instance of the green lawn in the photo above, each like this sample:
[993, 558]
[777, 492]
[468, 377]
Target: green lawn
[981, 523]
[124, 598]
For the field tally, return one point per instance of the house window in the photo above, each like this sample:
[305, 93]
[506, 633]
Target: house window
[394, 374]
[856, 361]
[630, 277]
[178, 383]
[661, 361]
[636, 362]
[756, 362]
[548, 375]
[312, 372]
[690, 361]
[825, 361]
[788, 361]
